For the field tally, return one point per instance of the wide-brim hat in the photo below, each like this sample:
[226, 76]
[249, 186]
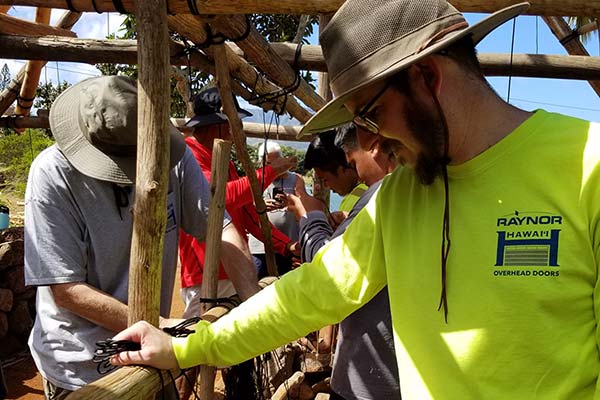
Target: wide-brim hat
[94, 123]
[208, 109]
[367, 41]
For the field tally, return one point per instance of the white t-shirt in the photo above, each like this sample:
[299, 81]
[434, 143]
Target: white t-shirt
[76, 231]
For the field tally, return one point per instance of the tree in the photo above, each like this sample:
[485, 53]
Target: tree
[46, 94]
[4, 77]
[578, 22]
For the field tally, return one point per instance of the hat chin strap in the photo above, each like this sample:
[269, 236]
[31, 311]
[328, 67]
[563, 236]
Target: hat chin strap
[440, 34]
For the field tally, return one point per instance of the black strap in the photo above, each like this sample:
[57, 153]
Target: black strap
[95, 7]
[193, 7]
[573, 35]
[70, 6]
[119, 6]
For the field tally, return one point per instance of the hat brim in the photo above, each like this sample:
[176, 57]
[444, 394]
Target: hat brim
[334, 113]
[213, 119]
[86, 158]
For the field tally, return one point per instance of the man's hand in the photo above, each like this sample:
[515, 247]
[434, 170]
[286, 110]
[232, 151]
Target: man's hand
[336, 218]
[302, 203]
[156, 348]
[282, 165]
[273, 204]
[293, 248]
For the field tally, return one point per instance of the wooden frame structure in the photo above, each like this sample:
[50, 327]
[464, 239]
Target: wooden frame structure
[39, 42]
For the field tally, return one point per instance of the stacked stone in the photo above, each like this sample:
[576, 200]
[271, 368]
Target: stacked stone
[17, 302]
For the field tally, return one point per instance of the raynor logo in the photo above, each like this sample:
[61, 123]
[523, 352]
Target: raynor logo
[529, 240]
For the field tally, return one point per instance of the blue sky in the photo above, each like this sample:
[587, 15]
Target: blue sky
[565, 96]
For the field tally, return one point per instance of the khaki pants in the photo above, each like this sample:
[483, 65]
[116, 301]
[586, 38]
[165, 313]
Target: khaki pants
[53, 392]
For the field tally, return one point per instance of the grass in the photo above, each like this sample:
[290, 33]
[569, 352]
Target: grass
[17, 151]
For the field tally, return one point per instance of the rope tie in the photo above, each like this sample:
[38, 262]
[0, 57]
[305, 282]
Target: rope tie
[70, 6]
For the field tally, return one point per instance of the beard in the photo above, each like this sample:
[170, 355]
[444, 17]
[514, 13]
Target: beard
[429, 131]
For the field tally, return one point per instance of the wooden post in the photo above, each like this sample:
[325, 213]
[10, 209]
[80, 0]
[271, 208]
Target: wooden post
[149, 215]
[235, 124]
[589, 8]
[10, 25]
[9, 94]
[561, 29]
[210, 279]
[135, 383]
[34, 68]
[93, 51]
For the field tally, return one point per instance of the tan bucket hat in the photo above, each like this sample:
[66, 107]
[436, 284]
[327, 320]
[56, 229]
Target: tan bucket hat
[369, 40]
[94, 123]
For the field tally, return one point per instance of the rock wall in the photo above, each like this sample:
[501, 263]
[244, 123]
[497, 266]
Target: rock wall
[17, 301]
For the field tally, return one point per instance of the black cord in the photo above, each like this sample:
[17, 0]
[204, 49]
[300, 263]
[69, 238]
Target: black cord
[70, 6]
[181, 329]
[120, 8]
[95, 7]
[512, 52]
[105, 349]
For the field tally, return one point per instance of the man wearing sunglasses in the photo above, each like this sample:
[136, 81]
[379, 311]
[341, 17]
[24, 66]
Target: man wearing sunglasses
[488, 246]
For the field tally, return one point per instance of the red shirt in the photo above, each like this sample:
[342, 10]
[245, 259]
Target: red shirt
[239, 204]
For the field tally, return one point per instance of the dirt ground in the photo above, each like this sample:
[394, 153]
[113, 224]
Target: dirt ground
[23, 380]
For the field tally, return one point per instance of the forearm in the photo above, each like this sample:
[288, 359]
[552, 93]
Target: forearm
[238, 263]
[315, 232]
[302, 301]
[92, 304]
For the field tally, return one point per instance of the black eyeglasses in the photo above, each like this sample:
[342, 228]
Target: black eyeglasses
[363, 119]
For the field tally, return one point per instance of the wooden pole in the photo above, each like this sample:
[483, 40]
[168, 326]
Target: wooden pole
[258, 50]
[34, 69]
[561, 29]
[9, 94]
[193, 28]
[589, 8]
[94, 51]
[149, 216]
[587, 28]
[251, 129]
[4, 9]
[10, 25]
[210, 278]
[235, 124]
[135, 383]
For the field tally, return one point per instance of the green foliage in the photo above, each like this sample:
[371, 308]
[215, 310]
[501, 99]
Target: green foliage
[16, 154]
[578, 22]
[281, 27]
[46, 94]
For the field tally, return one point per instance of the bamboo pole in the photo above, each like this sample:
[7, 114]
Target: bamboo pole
[9, 94]
[210, 279]
[258, 50]
[312, 7]
[93, 51]
[561, 29]
[10, 25]
[193, 29]
[33, 70]
[235, 125]
[149, 216]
